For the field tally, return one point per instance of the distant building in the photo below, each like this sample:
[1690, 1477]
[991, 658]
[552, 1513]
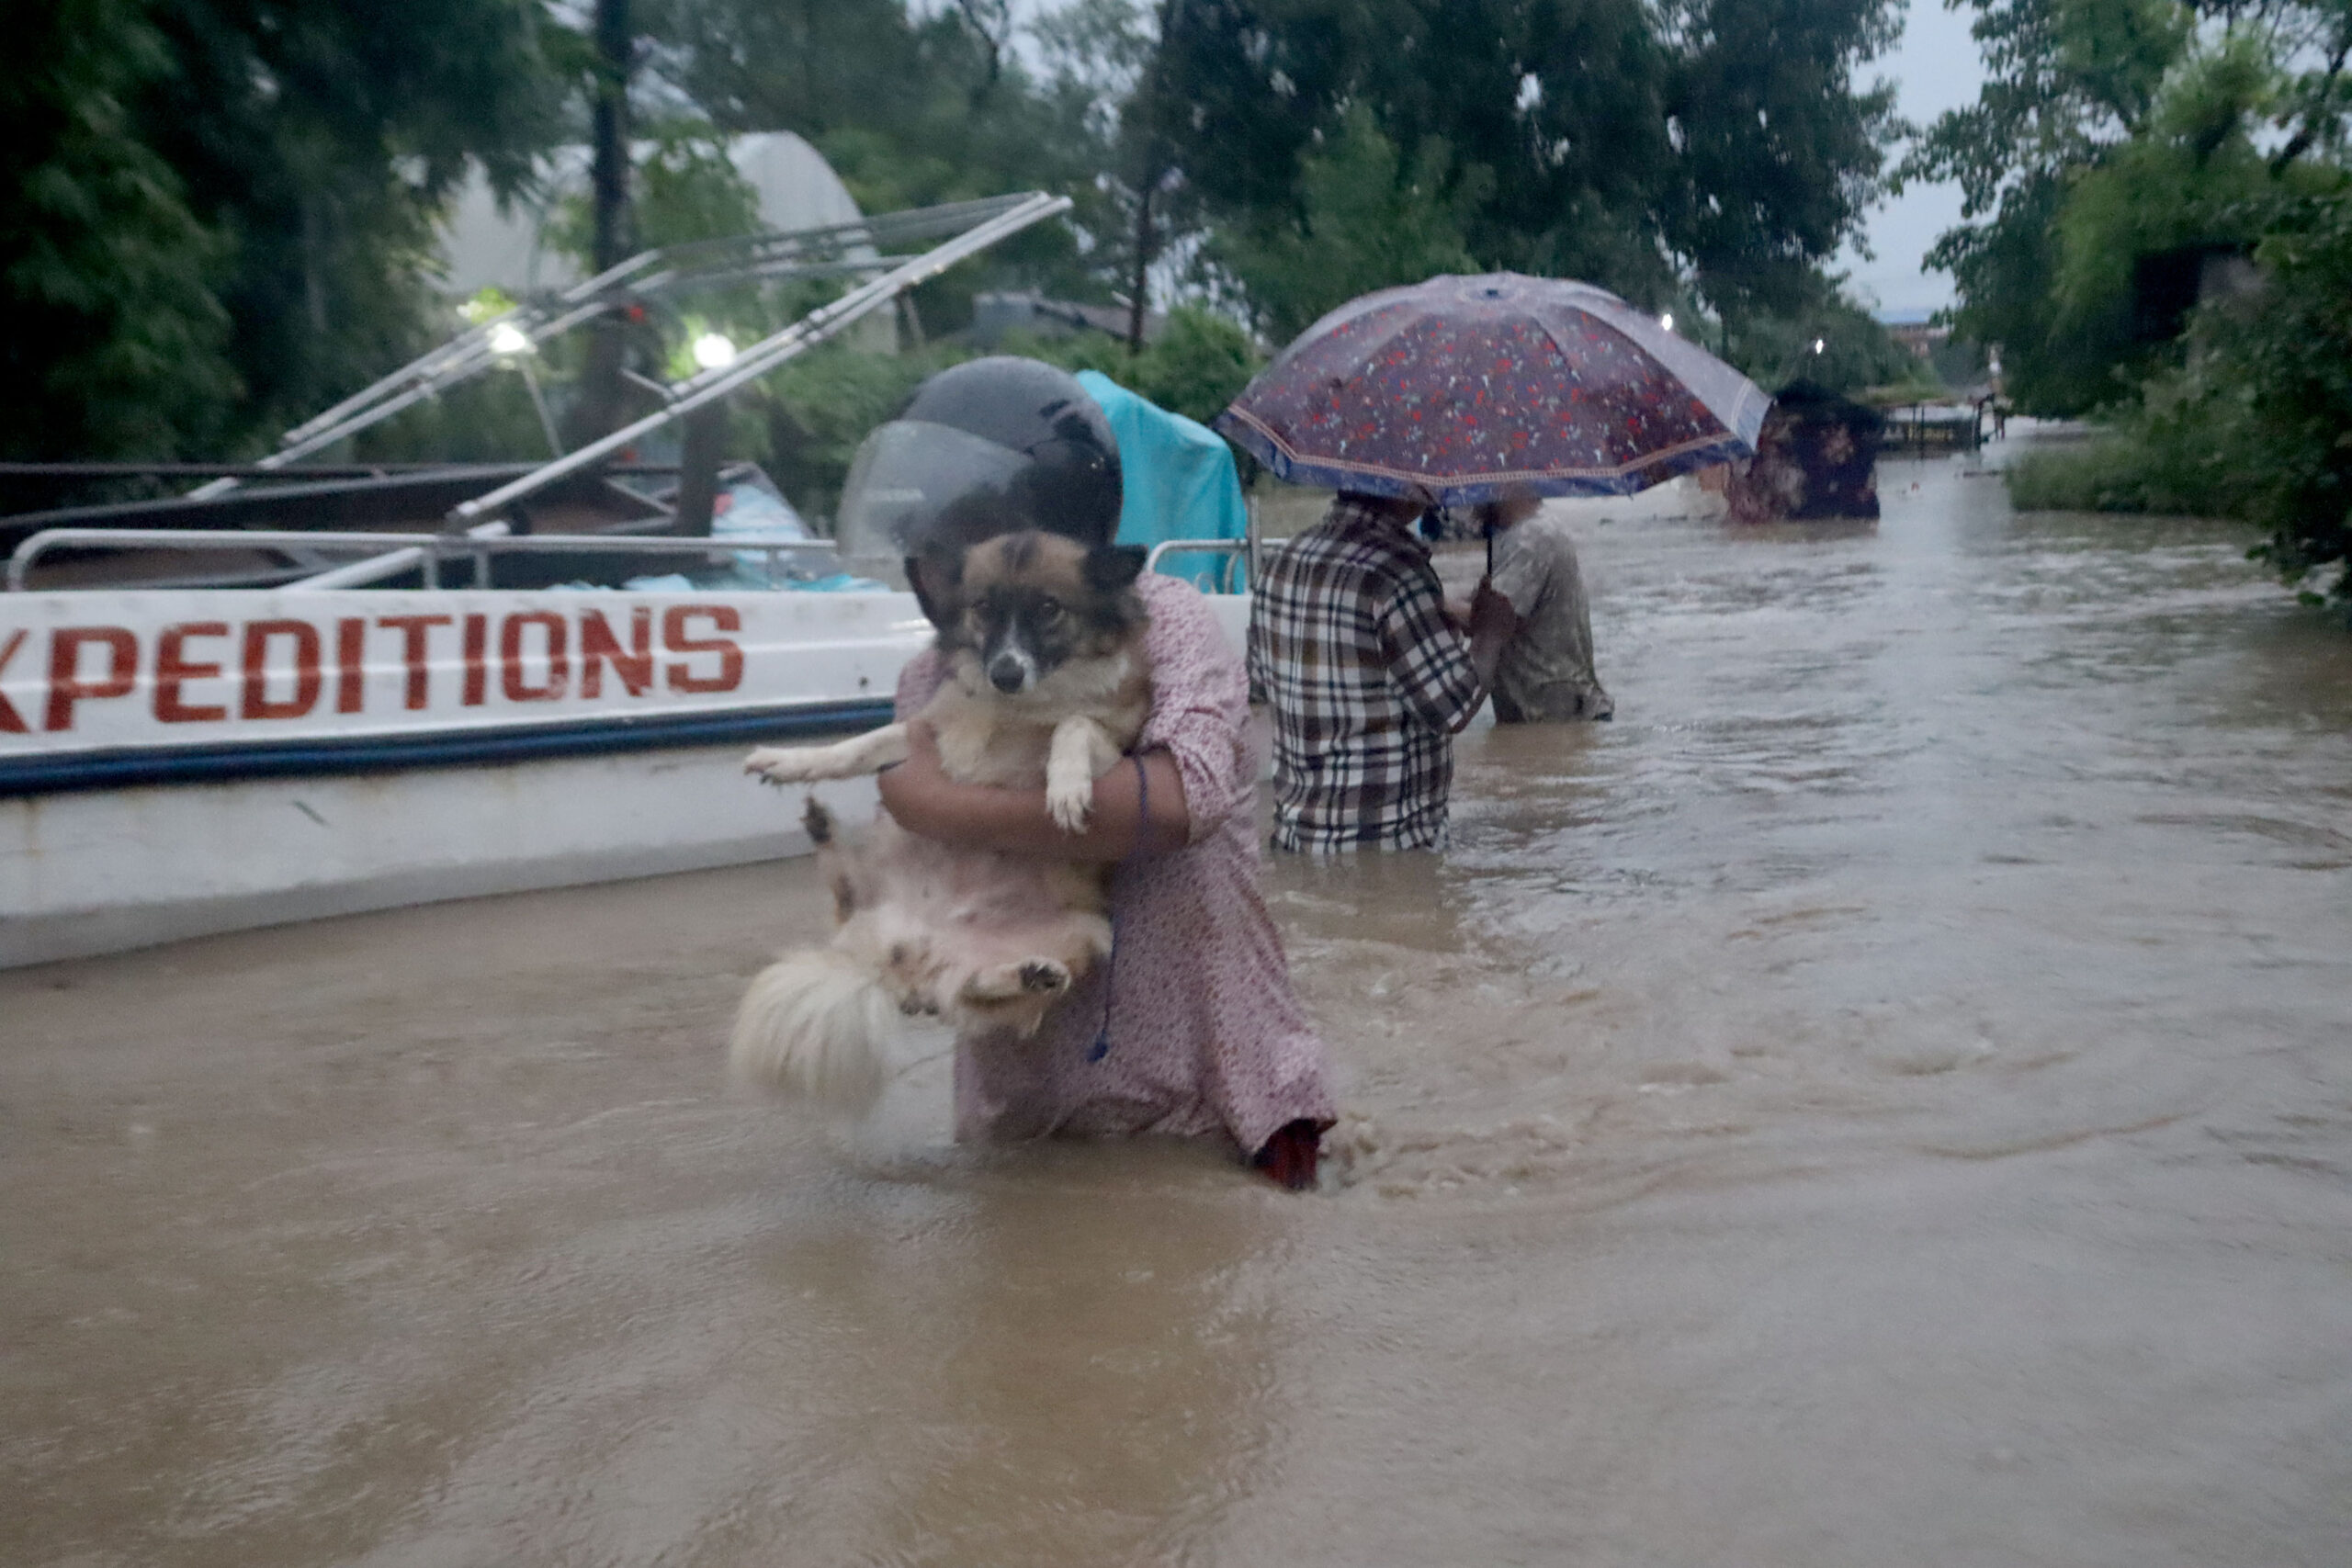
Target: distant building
[1922, 338]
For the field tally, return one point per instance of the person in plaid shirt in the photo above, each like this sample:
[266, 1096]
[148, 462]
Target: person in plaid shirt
[1369, 677]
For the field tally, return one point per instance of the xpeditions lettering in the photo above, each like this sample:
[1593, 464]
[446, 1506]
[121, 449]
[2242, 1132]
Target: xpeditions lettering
[212, 672]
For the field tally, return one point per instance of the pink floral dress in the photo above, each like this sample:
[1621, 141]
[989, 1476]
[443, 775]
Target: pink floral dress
[1205, 1033]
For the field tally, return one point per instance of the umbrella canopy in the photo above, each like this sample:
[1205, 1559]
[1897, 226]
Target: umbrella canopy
[1473, 386]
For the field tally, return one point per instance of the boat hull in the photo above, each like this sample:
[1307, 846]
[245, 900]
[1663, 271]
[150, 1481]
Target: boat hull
[178, 763]
[93, 871]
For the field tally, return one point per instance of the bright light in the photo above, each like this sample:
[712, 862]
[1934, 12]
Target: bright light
[1666, 321]
[714, 351]
[1817, 346]
[507, 340]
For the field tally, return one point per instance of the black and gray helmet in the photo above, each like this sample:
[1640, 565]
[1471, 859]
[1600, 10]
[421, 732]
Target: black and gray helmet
[981, 448]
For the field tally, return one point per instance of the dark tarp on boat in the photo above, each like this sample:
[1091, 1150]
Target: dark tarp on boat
[1816, 457]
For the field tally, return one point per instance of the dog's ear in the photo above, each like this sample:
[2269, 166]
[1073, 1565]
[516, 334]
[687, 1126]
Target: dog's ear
[1110, 568]
[937, 578]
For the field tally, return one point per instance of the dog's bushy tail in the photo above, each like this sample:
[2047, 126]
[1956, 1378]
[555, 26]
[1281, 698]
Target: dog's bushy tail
[817, 1025]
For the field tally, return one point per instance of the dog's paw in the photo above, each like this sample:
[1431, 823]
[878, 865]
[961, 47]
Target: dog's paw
[1026, 981]
[1044, 977]
[1072, 806]
[782, 764]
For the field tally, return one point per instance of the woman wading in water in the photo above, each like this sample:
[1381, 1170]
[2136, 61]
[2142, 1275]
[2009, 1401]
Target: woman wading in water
[1192, 1027]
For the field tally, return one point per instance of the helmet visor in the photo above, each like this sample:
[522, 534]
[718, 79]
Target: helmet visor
[914, 484]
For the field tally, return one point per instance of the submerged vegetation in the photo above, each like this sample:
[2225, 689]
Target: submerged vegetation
[2161, 237]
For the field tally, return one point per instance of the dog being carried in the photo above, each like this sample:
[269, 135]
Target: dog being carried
[1049, 685]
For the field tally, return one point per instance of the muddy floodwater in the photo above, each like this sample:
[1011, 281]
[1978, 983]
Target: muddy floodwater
[1887, 1100]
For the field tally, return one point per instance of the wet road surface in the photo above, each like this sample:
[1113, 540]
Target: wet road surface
[1886, 1100]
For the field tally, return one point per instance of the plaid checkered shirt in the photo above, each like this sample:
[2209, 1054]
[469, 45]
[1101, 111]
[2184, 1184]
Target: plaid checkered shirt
[1368, 680]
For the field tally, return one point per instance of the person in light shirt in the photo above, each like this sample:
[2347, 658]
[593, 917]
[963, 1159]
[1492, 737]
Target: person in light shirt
[1545, 671]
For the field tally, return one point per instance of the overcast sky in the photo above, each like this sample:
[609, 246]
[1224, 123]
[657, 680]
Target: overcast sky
[1936, 67]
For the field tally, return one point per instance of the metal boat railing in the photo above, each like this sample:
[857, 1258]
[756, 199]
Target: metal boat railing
[430, 550]
[1236, 552]
[427, 552]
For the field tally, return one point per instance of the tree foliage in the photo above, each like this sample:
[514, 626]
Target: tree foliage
[819, 407]
[2118, 131]
[2111, 130]
[117, 344]
[911, 109]
[253, 184]
[1853, 354]
[2288, 367]
[1197, 365]
[1715, 146]
[222, 210]
[2252, 423]
[1778, 151]
[1363, 222]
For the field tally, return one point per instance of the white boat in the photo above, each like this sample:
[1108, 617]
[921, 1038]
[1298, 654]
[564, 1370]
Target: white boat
[182, 760]
[175, 762]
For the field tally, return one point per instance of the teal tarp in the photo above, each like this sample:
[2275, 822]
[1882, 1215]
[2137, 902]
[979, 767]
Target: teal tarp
[1178, 478]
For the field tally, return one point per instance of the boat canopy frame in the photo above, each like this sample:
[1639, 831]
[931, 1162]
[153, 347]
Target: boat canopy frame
[867, 245]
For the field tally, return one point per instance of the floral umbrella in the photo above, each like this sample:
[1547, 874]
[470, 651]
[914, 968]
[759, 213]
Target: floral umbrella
[1473, 386]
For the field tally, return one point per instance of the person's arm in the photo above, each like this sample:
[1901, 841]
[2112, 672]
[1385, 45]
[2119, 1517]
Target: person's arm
[1253, 657]
[1519, 577]
[1493, 623]
[1435, 666]
[923, 799]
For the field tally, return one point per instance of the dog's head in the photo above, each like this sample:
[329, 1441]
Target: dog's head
[1015, 608]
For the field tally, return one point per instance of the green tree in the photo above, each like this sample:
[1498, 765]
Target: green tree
[2152, 132]
[2108, 130]
[117, 343]
[685, 189]
[2288, 364]
[2251, 423]
[1110, 55]
[910, 109]
[1778, 150]
[224, 212]
[1366, 221]
[1656, 150]
[2189, 174]
[1198, 365]
[1827, 340]
[325, 139]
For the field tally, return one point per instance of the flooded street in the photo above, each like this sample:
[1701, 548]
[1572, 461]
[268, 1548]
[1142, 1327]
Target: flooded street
[1884, 1100]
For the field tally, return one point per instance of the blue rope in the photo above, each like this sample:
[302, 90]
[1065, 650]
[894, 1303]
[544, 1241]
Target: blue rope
[1102, 1046]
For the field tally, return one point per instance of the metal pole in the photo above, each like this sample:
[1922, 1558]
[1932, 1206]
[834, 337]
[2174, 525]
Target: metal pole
[539, 402]
[469, 354]
[706, 433]
[474, 343]
[375, 569]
